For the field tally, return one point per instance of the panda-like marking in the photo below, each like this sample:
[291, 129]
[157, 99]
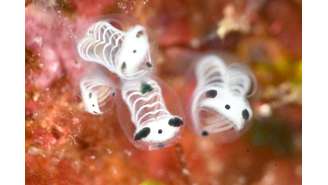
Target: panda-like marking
[96, 91]
[221, 94]
[123, 53]
[154, 124]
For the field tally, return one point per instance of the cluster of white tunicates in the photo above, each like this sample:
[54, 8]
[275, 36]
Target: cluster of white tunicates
[219, 101]
[151, 124]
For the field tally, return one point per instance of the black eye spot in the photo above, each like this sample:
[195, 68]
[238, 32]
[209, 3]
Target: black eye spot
[175, 122]
[148, 64]
[160, 131]
[134, 51]
[204, 133]
[245, 114]
[139, 33]
[142, 133]
[123, 66]
[227, 107]
[211, 93]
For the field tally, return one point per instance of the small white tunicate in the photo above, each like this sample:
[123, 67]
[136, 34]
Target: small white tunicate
[125, 53]
[154, 125]
[96, 90]
[219, 102]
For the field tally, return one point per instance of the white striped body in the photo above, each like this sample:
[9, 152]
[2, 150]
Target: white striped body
[96, 90]
[124, 53]
[221, 95]
[154, 124]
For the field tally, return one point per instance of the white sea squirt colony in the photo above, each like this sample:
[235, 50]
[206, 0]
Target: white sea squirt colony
[154, 124]
[126, 54]
[96, 90]
[221, 90]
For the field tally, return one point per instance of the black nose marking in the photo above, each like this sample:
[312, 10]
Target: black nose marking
[211, 93]
[175, 122]
[245, 114]
[142, 133]
[204, 133]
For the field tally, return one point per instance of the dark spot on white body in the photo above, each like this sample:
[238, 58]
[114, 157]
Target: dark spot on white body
[227, 107]
[123, 66]
[204, 133]
[145, 87]
[245, 114]
[139, 33]
[211, 93]
[142, 133]
[148, 64]
[175, 122]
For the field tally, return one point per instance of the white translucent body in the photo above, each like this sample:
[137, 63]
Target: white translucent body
[148, 110]
[95, 92]
[223, 90]
[123, 53]
[134, 52]
[237, 104]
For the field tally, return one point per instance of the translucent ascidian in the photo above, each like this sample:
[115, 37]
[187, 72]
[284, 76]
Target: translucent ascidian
[151, 124]
[143, 101]
[97, 92]
[220, 107]
[124, 53]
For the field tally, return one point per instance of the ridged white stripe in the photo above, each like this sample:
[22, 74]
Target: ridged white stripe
[147, 106]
